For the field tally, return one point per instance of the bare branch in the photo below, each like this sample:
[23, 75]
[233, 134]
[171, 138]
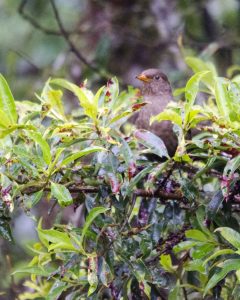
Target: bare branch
[91, 190]
[65, 35]
[33, 22]
[62, 32]
[158, 194]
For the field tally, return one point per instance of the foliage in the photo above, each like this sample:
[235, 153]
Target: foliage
[152, 227]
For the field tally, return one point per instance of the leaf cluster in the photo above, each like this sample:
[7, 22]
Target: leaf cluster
[165, 227]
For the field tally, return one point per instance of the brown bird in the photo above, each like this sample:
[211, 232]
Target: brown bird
[157, 92]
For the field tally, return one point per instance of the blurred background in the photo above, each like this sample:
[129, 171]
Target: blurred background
[96, 39]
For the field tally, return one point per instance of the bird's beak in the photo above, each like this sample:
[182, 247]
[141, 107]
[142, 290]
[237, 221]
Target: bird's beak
[143, 78]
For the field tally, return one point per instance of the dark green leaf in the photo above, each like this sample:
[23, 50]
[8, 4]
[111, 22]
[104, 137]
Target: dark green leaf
[90, 218]
[226, 267]
[56, 290]
[38, 138]
[151, 141]
[61, 193]
[232, 236]
[5, 230]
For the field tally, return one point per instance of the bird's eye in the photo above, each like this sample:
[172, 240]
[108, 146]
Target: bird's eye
[157, 77]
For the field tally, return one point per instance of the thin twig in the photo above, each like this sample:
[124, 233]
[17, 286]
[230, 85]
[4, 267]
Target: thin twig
[65, 35]
[159, 194]
[25, 58]
[90, 189]
[33, 22]
[62, 32]
[40, 27]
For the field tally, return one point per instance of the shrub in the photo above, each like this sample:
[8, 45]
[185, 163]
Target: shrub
[151, 228]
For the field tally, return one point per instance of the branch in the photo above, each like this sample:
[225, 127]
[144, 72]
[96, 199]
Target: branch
[65, 35]
[40, 27]
[159, 194]
[93, 190]
[62, 32]
[33, 22]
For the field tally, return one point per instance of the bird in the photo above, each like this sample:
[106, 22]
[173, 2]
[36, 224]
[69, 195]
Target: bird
[157, 93]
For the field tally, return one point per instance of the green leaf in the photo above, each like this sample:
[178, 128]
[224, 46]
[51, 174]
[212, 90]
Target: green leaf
[7, 104]
[92, 274]
[104, 272]
[218, 253]
[221, 96]
[37, 137]
[232, 236]
[226, 267]
[40, 271]
[4, 132]
[36, 197]
[137, 178]
[146, 288]
[166, 262]
[198, 65]
[53, 164]
[53, 100]
[168, 115]
[5, 230]
[97, 96]
[215, 203]
[202, 250]
[140, 270]
[90, 218]
[191, 90]
[151, 141]
[195, 265]
[179, 91]
[186, 245]
[86, 98]
[114, 91]
[119, 117]
[126, 152]
[175, 293]
[200, 217]
[4, 120]
[231, 166]
[61, 193]
[196, 235]
[56, 239]
[81, 153]
[56, 290]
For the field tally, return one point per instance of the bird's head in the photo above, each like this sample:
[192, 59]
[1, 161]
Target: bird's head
[154, 82]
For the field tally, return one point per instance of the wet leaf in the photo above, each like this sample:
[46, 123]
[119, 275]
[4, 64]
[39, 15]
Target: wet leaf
[5, 230]
[81, 153]
[38, 138]
[191, 90]
[56, 290]
[225, 267]
[231, 235]
[36, 270]
[92, 274]
[168, 115]
[151, 141]
[61, 193]
[90, 218]
[7, 104]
